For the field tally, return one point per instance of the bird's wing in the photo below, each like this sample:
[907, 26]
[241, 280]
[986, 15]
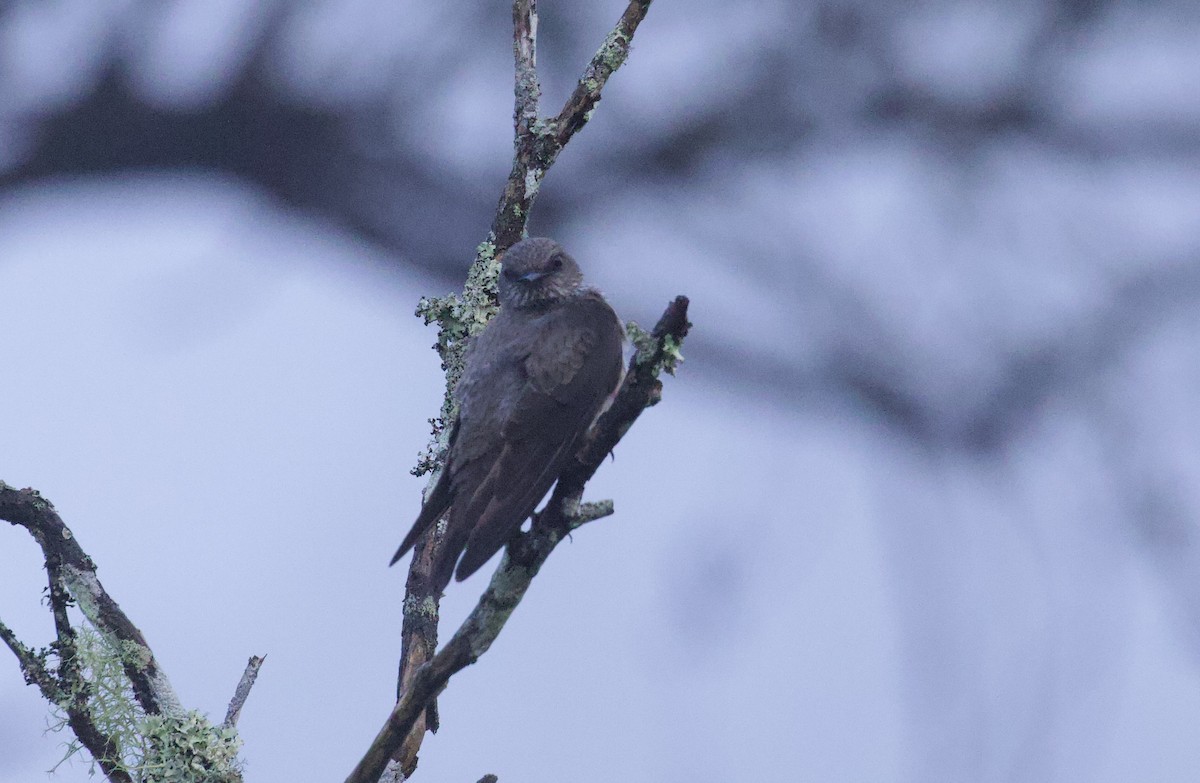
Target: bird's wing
[436, 503]
[568, 376]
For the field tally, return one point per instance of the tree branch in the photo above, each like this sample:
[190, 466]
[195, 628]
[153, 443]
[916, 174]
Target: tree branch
[72, 571]
[528, 91]
[66, 687]
[536, 143]
[100, 662]
[539, 141]
[242, 692]
[419, 637]
[610, 57]
[657, 352]
[102, 747]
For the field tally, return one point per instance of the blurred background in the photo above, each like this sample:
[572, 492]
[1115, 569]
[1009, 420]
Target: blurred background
[922, 505]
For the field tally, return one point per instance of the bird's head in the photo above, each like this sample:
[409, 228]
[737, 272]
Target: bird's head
[536, 272]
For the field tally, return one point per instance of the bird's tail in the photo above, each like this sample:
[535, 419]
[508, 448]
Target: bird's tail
[435, 506]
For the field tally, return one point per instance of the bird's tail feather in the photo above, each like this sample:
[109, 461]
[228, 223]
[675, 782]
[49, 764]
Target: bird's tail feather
[435, 505]
[503, 516]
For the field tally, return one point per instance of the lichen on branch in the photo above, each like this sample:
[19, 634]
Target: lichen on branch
[459, 317]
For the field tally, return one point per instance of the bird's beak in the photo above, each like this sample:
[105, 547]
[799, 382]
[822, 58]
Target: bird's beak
[532, 277]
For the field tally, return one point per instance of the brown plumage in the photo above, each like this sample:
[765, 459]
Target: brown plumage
[533, 382]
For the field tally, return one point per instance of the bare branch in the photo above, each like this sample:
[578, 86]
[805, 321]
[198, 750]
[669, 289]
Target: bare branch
[242, 691]
[528, 91]
[610, 57]
[71, 570]
[419, 642]
[538, 141]
[590, 512]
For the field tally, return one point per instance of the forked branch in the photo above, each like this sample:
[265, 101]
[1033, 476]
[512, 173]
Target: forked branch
[537, 143]
[73, 574]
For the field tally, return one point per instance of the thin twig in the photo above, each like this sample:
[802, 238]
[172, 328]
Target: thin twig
[525, 555]
[539, 141]
[249, 675]
[527, 91]
[610, 56]
[32, 667]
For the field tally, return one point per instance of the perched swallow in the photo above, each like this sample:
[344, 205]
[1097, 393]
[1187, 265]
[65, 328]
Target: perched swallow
[534, 380]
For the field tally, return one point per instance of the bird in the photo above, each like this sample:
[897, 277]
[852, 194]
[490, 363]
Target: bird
[533, 382]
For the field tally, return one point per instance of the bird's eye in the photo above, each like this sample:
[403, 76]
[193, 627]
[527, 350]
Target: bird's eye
[556, 261]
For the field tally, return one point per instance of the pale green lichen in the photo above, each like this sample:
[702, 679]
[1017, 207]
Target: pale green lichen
[427, 606]
[81, 596]
[643, 342]
[139, 656]
[104, 689]
[613, 51]
[188, 749]
[41, 504]
[664, 355]
[459, 317]
[533, 181]
[672, 357]
[150, 748]
[609, 57]
[588, 512]
[505, 591]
